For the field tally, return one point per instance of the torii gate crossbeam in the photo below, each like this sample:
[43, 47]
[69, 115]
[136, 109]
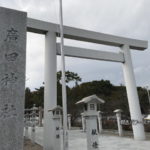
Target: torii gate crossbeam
[91, 54]
[42, 27]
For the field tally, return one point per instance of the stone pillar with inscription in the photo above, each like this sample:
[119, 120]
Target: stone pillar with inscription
[12, 78]
[92, 131]
[57, 117]
[90, 105]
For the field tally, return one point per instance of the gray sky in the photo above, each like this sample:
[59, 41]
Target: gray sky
[128, 18]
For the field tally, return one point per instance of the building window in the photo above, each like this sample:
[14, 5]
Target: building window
[92, 107]
[57, 112]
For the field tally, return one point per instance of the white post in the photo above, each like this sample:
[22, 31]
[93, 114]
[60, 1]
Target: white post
[83, 122]
[100, 121]
[118, 116]
[40, 116]
[69, 121]
[26, 125]
[120, 131]
[33, 119]
[92, 132]
[61, 125]
[50, 90]
[133, 100]
[33, 134]
[26, 131]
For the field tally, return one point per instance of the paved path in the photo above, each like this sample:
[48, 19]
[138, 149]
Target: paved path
[77, 141]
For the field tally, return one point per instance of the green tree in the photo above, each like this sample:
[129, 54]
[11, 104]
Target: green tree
[39, 96]
[115, 96]
[70, 76]
[28, 98]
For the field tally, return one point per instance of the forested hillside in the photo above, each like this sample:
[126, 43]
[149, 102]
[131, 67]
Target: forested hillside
[114, 96]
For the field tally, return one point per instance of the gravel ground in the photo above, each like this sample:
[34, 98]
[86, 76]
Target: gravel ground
[29, 146]
[109, 140]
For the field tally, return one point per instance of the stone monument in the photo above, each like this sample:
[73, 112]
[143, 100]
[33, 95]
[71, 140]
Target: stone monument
[57, 117]
[90, 104]
[12, 78]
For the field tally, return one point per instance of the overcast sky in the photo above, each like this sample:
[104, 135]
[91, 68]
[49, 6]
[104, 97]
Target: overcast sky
[128, 18]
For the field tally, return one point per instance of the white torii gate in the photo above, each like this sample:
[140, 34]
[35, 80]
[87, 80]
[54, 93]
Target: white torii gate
[52, 49]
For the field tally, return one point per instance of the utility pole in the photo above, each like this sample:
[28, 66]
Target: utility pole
[64, 95]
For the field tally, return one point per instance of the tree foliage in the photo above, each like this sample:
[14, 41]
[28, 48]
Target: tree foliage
[115, 96]
[34, 97]
[70, 76]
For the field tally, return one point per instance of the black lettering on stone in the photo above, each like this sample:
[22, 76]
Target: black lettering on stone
[9, 78]
[33, 129]
[94, 132]
[11, 56]
[57, 128]
[12, 35]
[57, 136]
[95, 145]
[7, 111]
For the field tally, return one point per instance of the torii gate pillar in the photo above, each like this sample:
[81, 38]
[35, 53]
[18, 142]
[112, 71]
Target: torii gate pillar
[50, 90]
[133, 99]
